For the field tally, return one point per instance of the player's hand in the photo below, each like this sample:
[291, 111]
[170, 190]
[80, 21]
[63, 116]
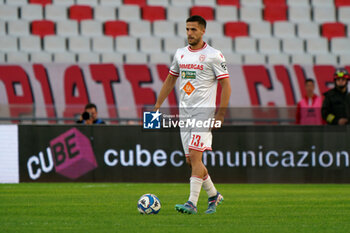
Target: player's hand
[156, 107]
[219, 117]
[342, 121]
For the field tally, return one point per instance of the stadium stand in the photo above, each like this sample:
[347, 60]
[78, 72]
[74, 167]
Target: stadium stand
[2, 57]
[266, 30]
[20, 28]
[30, 43]
[8, 44]
[64, 57]
[278, 59]
[63, 2]
[260, 30]
[226, 13]
[31, 12]
[8, 12]
[340, 3]
[87, 2]
[41, 2]
[116, 28]
[163, 3]
[235, 29]
[80, 12]
[17, 2]
[43, 28]
[136, 2]
[331, 30]
[105, 13]
[153, 13]
[102, 44]
[177, 13]
[2, 28]
[274, 13]
[228, 2]
[17, 57]
[91, 28]
[111, 2]
[40, 57]
[206, 12]
[163, 28]
[284, 30]
[275, 2]
[67, 28]
[54, 44]
[55, 12]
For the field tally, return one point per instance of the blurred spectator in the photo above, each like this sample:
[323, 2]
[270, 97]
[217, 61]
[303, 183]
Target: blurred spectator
[334, 107]
[309, 108]
[89, 116]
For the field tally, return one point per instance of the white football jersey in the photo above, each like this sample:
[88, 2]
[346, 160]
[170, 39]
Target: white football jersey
[199, 71]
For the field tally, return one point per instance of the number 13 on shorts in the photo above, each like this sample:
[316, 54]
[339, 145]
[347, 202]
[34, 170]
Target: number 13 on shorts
[195, 140]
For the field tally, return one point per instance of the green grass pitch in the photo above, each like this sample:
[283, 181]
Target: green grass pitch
[111, 207]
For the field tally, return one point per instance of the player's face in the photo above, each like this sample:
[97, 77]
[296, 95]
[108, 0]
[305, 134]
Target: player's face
[195, 33]
[310, 88]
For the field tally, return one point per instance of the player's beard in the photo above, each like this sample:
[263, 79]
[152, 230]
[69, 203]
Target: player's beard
[194, 41]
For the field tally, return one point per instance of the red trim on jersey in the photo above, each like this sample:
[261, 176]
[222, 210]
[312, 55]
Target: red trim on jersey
[222, 76]
[199, 149]
[196, 50]
[187, 155]
[173, 73]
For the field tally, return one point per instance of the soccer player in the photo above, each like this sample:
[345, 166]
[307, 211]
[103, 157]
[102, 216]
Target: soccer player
[201, 67]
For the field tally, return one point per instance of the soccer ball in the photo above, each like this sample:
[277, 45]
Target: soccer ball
[148, 204]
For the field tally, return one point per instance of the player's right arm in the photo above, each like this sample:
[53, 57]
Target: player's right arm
[167, 87]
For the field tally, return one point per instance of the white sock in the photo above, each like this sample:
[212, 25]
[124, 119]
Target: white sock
[196, 185]
[208, 186]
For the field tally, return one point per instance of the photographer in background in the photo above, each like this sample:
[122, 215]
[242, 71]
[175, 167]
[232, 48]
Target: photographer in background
[334, 107]
[89, 116]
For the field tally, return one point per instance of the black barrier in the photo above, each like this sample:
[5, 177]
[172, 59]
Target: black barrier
[241, 154]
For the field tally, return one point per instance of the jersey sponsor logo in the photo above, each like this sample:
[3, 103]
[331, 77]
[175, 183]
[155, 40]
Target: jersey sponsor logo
[191, 66]
[202, 58]
[188, 88]
[188, 74]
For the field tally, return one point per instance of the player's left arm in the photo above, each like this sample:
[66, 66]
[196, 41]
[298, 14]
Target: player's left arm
[221, 73]
[225, 97]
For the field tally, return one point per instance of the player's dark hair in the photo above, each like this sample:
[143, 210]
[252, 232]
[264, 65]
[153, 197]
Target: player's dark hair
[197, 18]
[309, 80]
[90, 105]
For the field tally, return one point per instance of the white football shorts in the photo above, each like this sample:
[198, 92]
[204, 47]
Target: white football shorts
[196, 140]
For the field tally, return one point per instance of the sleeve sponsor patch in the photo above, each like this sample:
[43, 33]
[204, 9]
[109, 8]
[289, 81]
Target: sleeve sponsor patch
[223, 65]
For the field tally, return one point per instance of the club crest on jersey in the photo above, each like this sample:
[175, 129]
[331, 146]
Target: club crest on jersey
[202, 58]
[182, 56]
